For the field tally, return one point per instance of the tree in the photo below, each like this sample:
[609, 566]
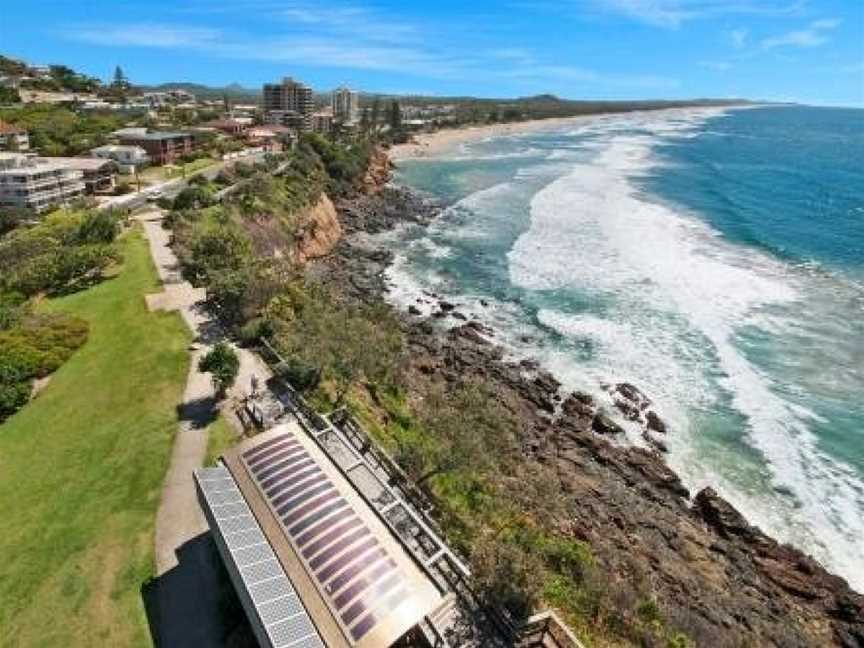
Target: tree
[365, 120]
[395, 117]
[346, 344]
[462, 427]
[120, 81]
[375, 115]
[223, 365]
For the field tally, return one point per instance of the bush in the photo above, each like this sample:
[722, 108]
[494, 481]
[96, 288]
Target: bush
[66, 251]
[32, 347]
[193, 197]
[223, 365]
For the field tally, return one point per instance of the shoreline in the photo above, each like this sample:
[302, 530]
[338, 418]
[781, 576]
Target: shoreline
[432, 144]
[633, 509]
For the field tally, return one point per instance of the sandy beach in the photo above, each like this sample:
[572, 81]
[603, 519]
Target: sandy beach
[433, 143]
[430, 144]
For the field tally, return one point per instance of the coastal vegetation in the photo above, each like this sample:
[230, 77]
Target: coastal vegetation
[81, 467]
[66, 252]
[58, 130]
[222, 363]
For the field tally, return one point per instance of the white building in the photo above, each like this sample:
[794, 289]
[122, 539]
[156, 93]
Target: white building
[127, 157]
[37, 183]
[345, 104]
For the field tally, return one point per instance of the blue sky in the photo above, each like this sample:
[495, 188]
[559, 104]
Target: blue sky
[810, 51]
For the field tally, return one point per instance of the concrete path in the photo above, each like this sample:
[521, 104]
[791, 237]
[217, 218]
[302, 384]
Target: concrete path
[179, 518]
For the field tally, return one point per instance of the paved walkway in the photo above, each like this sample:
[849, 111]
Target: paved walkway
[179, 518]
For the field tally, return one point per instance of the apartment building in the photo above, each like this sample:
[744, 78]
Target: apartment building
[13, 138]
[37, 183]
[345, 104]
[98, 174]
[289, 101]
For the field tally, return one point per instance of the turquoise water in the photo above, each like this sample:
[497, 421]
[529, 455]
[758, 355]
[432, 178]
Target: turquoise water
[715, 259]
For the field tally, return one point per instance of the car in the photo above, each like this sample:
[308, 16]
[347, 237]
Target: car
[153, 196]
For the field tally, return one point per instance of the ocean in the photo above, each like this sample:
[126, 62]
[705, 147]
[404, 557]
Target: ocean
[714, 258]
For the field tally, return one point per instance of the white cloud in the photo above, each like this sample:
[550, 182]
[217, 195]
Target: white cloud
[739, 37]
[145, 35]
[717, 66]
[673, 13]
[815, 34]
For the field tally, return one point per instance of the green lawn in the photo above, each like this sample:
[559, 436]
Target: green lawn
[220, 437]
[81, 469]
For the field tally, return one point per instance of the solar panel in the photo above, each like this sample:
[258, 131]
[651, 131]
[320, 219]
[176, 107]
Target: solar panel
[277, 606]
[351, 568]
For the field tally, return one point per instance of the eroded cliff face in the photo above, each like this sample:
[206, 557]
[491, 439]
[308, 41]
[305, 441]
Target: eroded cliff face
[378, 173]
[318, 232]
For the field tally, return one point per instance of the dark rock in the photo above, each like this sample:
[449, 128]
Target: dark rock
[547, 382]
[655, 423]
[633, 394]
[628, 409]
[459, 316]
[446, 306]
[413, 310]
[655, 443]
[721, 515]
[603, 424]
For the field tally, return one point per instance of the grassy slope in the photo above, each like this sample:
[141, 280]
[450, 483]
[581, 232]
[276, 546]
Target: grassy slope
[81, 469]
[220, 437]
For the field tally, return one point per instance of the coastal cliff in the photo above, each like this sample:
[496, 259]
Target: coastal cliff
[318, 230]
[713, 575]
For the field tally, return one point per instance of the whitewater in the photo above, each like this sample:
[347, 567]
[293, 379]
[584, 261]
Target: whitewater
[577, 247]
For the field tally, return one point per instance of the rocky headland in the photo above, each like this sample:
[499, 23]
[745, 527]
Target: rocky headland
[713, 573]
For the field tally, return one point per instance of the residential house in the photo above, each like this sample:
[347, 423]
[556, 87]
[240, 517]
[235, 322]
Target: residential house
[13, 138]
[127, 158]
[37, 183]
[163, 147]
[231, 127]
[271, 138]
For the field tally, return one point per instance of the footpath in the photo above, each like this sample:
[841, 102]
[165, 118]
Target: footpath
[185, 601]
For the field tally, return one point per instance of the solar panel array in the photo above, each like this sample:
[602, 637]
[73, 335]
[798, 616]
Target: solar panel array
[353, 570]
[276, 603]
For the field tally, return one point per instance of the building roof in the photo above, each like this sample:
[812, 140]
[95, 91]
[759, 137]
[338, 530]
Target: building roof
[279, 610]
[111, 148]
[358, 583]
[82, 163]
[154, 135]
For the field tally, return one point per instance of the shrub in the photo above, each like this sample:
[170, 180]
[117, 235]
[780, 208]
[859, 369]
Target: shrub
[223, 365]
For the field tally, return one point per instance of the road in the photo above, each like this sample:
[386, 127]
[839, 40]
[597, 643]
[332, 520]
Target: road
[170, 188]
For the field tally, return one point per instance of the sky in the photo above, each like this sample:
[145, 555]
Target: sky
[809, 51]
